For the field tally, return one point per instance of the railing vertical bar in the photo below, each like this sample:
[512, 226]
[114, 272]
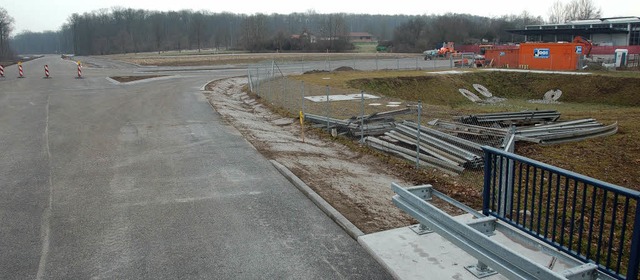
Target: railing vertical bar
[634, 259]
[613, 227]
[546, 220]
[601, 229]
[533, 196]
[526, 198]
[499, 208]
[511, 185]
[622, 234]
[486, 195]
[573, 214]
[540, 198]
[594, 194]
[564, 210]
[493, 183]
[519, 192]
[585, 189]
[555, 209]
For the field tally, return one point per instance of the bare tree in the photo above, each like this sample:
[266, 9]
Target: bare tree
[557, 12]
[6, 27]
[581, 9]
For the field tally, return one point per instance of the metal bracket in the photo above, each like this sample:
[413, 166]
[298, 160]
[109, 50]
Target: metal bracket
[480, 270]
[486, 225]
[420, 229]
[424, 192]
[587, 271]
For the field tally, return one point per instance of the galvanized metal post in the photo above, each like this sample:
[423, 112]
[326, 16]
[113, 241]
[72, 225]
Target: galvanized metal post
[362, 118]
[451, 61]
[418, 136]
[249, 78]
[507, 174]
[266, 96]
[302, 99]
[327, 108]
[286, 90]
[634, 258]
[416, 63]
[397, 63]
[376, 61]
[258, 81]
[326, 61]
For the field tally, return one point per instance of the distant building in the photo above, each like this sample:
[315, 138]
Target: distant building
[305, 37]
[618, 31]
[361, 37]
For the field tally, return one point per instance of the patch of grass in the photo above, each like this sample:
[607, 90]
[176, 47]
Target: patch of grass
[608, 97]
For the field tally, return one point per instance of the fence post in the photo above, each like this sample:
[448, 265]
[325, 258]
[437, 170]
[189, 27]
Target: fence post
[418, 136]
[507, 174]
[487, 183]
[302, 99]
[327, 109]
[258, 80]
[376, 61]
[362, 118]
[634, 259]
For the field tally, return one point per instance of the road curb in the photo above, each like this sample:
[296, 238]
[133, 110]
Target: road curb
[336, 216]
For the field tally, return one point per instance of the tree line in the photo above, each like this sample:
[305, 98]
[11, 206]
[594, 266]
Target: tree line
[122, 30]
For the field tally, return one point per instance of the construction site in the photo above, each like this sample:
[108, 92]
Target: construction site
[432, 127]
[210, 150]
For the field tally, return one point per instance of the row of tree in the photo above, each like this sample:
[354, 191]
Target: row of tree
[6, 27]
[121, 30]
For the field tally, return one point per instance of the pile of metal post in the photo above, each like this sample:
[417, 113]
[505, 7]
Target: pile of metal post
[542, 127]
[446, 152]
[511, 118]
[562, 132]
[370, 125]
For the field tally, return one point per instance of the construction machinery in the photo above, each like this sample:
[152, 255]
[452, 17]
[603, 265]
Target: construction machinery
[445, 51]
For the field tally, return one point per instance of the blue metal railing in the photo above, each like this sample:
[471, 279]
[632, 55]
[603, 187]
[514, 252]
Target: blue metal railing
[589, 219]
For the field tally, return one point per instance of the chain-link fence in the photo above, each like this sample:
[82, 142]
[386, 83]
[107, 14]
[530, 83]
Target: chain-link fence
[403, 124]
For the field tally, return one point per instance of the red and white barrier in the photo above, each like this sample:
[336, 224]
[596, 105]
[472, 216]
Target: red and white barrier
[1, 71]
[20, 72]
[46, 71]
[79, 70]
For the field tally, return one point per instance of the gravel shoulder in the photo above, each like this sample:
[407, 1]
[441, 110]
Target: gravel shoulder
[357, 185]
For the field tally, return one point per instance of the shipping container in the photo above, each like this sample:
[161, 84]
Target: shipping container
[550, 56]
[502, 58]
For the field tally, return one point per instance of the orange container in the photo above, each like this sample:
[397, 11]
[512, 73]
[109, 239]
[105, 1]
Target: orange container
[502, 58]
[549, 56]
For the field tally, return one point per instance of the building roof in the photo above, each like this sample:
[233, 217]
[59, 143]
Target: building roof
[582, 27]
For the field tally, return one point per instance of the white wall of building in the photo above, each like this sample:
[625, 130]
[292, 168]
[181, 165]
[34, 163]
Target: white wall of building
[609, 39]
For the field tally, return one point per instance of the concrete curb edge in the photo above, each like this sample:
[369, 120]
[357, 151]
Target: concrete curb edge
[336, 216]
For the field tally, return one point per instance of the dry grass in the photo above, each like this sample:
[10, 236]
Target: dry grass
[607, 97]
[212, 58]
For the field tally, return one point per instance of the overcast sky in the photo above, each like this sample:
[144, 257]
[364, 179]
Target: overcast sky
[40, 15]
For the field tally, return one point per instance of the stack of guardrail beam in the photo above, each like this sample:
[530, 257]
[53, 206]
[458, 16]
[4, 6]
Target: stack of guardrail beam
[370, 125]
[562, 132]
[446, 152]
[511, 118]
[531, 126]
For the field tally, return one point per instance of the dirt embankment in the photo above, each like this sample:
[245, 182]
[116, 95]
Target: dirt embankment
[356, 183]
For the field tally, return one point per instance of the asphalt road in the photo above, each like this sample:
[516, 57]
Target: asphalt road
[145, 181]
